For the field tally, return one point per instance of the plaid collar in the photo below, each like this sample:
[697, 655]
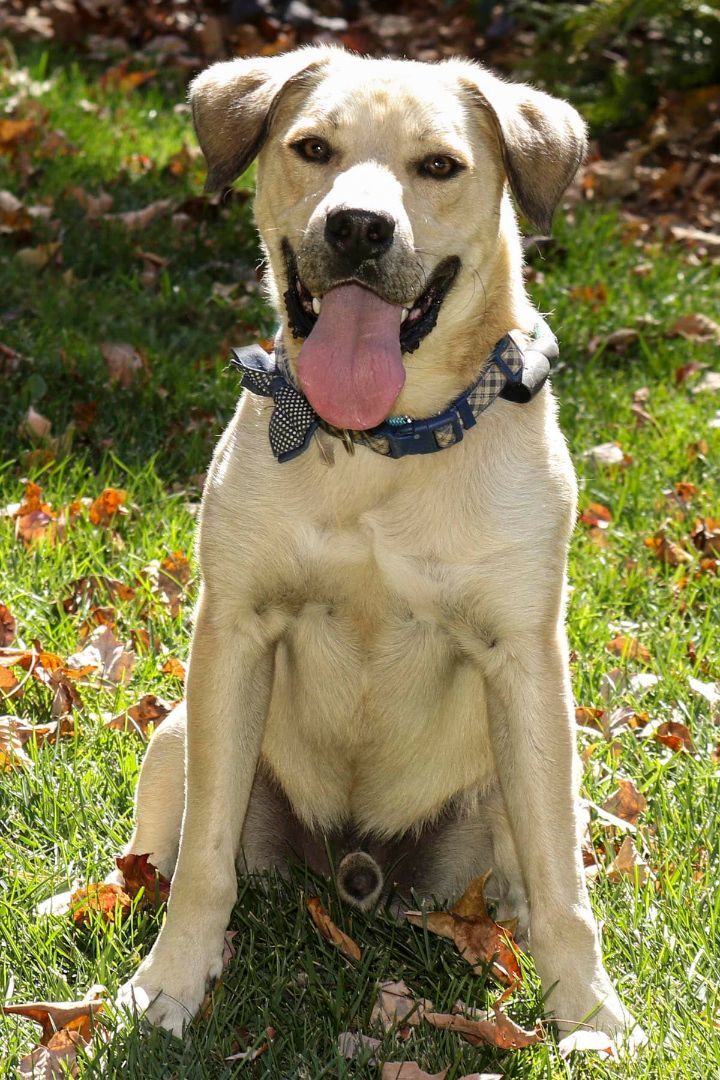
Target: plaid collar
[511, 372]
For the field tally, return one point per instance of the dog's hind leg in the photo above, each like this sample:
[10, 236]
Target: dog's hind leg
[160, 797]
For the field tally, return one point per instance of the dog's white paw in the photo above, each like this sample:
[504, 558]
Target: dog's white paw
[598, 1009]
[168, 995]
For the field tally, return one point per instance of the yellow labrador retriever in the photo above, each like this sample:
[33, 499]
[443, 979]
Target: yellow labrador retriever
[379, 655]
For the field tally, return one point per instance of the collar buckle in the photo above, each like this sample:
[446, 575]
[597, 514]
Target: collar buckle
[419, 436]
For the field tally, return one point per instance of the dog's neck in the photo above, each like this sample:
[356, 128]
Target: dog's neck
[453, 355]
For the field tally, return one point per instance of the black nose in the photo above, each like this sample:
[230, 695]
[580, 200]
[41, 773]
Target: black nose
[359, 234]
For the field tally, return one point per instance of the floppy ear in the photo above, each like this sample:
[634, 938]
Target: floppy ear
[233, 104]
[542, 140]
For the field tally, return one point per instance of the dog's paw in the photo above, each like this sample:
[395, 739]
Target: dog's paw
[168, 995]
[598, 1009]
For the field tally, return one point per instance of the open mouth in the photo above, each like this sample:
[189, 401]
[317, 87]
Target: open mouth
[350, 366]
[416, 321]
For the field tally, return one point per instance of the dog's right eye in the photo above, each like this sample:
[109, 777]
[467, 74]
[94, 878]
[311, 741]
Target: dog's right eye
[313, 149]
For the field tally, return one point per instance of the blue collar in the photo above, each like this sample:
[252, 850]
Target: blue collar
[511, 372]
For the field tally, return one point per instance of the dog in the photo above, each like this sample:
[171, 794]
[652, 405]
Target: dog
[379, 658]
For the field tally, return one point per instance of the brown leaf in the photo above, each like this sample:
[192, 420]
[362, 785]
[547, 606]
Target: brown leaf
[8, 626]
[409, 1070]
[106, 654]
[174, 667]
[667, 551]
[330, 931]
[628, 863]
[626, 803]
[139, 873]
[169, 578]
[596, 515]
[695, 327]
[501, 1032]
[149, 710]
[628, 648]
[395, 1007]
[478, 939]
[607, 454]
[12, 755]
[34, 518]
[123, 361]
[619, 341]
[705, 536]
[14, 131]
[134, 220]
[56, 1016]
[675, 735]
[353, 1044]
[66, 1026]
[109, 503]
[595, 295]
[111, 901]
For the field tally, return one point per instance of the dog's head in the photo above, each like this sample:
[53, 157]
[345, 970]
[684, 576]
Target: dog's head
[380, 202]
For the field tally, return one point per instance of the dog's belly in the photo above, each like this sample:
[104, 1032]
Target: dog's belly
[376, 717]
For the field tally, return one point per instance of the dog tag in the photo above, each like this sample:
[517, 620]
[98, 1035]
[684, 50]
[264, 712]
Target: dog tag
[535, 370]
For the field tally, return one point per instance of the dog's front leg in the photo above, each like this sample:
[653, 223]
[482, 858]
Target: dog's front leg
[228, 689]
[533, 735]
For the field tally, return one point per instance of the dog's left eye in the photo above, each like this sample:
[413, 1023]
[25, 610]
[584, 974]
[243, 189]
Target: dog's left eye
[313, 149]
[440, 166]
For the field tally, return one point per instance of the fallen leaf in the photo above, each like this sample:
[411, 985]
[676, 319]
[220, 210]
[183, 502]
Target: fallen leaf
[595, 1041]
[12, 755]
[149, 710]
[710, 691]
[66, 1026]
[667, 551]
[35, 425]
[608, 454]
[710, 383]
[37, 258]
[253, 1055]
[134, 220]
[109, 900]
[105, 653]
[139, 873]
[500, 1031]
[675, 735]
[595, 295]
[596, 516]
[695, 327]
[478, 939]
[626, 803]
[628, 863]
[15, 131]
[409, 1070]
[628, 648]
[330, 931]
[109, 503]
[8, 626]
[34, 518]
[353, 1044]
[169, 578]
[619, 341]
[123, 361]
[174, 667]
[686, 370]
[395, 1007]
[705, 536]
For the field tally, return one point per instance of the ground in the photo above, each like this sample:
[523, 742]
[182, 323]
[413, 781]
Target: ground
[66, 815]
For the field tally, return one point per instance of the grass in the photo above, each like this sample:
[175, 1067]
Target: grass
[65, 818]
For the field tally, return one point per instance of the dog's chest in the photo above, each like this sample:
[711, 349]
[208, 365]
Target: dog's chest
[378, 695]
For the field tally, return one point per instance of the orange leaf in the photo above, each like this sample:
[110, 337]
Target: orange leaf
[14, 131]
[629, 649]
[626, 803]
[675, 735]
[149, 710]
[139, 874]
[501, 1032]
[596, 516]
[112, 902]
[330, 931]
[107, 505]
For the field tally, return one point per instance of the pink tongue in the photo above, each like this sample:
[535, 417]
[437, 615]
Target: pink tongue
[350, 367]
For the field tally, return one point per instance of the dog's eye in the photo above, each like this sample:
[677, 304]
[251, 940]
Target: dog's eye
[440, 166]
[313, 149]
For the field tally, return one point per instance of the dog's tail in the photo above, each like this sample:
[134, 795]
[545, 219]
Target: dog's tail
[359, 879]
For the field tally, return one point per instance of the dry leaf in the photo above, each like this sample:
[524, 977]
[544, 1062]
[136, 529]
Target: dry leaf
[353, 1044]
[628, 863]
[409, 1070]
[705, 536]
[395, 1007]
[123, 362]
[675, 735]
[626, 803]
[478, 939]
[106, 654]
[695, 328]
[150, 710]
[628, 648]
[169, 578]
[667, 551]
[15, 131]
[596, 516]
[710, 691]
[330, 931]
[140, 219]
[35, 425]
[710, 383]
[8, 626]
[686, 370]
[595, 1041]
[139, 873]
[12, 755]
[66, 1025]
[500, 1031]
[607, 454]
[107, 505]
[176, 668]
[110, 900]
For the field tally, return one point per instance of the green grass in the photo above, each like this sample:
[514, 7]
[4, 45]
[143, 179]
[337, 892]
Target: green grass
[67, 817]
